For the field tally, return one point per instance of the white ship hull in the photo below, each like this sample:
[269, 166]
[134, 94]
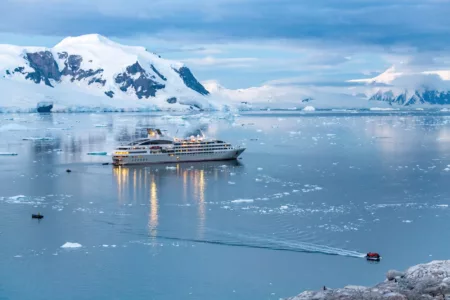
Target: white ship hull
[158, 158]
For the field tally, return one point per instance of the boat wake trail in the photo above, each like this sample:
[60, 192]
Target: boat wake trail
[271, 244]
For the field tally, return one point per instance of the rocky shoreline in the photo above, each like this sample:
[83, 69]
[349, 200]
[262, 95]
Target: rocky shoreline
[425, 281]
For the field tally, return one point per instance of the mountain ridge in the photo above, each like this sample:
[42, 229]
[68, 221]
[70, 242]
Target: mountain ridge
[100, 67]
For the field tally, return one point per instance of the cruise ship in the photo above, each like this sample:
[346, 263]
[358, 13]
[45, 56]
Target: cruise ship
[158, 148]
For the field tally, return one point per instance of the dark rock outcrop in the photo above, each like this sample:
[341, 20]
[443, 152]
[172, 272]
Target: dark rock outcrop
[145, 85]
[190, 81]
[110, 94]
[45, 67]
[72, 69]
[172, 100]
[157, 73]
[62, 55]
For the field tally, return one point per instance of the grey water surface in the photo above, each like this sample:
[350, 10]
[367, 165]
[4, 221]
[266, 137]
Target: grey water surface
[311, 194]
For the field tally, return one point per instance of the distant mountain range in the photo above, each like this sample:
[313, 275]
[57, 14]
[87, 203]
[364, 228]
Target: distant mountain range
[93, 73]
[408, 88]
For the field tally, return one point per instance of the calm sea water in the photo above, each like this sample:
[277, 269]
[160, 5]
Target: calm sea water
[309, 196]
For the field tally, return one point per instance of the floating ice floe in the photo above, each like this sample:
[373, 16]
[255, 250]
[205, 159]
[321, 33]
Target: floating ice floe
[16, 198]
[8, 154]
[242, 201]
[231, 182]
[101, 125]
[38, 139]
[260, 169]
[97, 153]
[309, 108]
[382, 109]
[13, 127]
[171, 168]
[70, 245]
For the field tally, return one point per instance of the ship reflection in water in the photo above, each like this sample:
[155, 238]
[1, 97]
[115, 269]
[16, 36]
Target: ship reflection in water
[177, 185]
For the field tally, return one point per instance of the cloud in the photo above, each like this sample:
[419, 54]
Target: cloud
[420, 24]
[252, 41]
[231, 62]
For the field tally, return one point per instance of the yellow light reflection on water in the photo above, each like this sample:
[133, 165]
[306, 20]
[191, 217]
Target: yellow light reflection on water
[121, 175]
[134, 186]
[185, 185]
[145, 186]
[153, 220]
[200, 187]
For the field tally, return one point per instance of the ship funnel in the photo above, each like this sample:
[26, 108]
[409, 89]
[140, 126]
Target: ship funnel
[154, 133]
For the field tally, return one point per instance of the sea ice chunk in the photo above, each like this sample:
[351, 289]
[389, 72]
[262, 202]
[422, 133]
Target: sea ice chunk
[242, 201]
[309, 108]
[38, 139]
[70, 245]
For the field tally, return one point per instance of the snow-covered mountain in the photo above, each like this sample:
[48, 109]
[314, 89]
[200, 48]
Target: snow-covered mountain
[92, 71]
[408, 87]
[285, 97]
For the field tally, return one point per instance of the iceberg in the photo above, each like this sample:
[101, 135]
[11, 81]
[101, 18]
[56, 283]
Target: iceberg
[70, 245]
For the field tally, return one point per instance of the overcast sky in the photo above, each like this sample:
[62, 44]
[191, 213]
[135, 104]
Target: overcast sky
[244, 43]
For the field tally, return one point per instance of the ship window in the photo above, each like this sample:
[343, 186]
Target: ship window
[156, 142]
[137, 142]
